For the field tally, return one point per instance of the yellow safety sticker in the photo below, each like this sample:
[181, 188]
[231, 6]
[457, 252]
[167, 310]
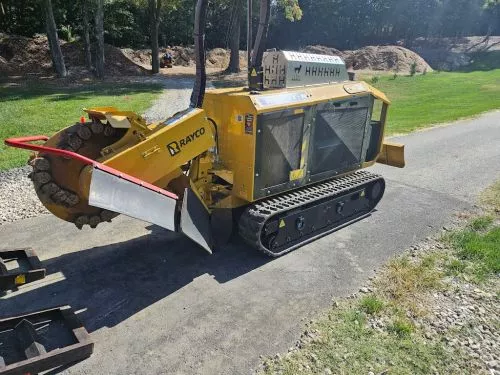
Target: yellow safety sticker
[254, 73]
[296, 174]
[282, 223]
[20, 280]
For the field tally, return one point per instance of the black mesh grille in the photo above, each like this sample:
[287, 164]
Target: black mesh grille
[373, 144]
[281, 149]
[338, 139]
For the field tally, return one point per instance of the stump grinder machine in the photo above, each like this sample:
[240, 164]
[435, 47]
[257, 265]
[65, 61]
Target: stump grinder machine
[279, 162]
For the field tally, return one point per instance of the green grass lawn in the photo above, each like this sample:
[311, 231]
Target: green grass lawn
[43, 110]
[439, 97]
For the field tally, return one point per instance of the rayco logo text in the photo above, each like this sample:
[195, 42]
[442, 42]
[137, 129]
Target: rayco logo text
[176, 147]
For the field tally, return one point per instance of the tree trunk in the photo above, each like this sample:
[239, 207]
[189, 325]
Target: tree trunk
[261, 37]
[99, 33]
[234, 61]
[55, 48]
[86, 33]
[154, 23]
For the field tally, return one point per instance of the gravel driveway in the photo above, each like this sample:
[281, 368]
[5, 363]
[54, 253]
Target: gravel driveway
[18, 199]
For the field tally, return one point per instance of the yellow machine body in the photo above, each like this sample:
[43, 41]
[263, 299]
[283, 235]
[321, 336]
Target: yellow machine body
[236, 112]
[221, 140]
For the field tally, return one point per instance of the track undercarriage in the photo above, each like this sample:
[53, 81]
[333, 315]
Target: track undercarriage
[283, 223]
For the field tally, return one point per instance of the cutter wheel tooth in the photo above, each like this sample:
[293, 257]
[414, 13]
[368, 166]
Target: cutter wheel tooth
[97, 127]
[109, 131]
[72, 199]
[67, 148]
[107, 215]
[50, 189]
[75, 142]
[40, 164]
[37, 185]
[60, 197]
[45, 199]
[84, 132]
[94, 221]
[81, 221]
[41, 178]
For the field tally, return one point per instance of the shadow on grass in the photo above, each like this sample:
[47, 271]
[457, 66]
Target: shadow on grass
[61, 93]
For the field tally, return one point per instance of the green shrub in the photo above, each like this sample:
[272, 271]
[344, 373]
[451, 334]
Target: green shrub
[66, 33]
[481, 223]
[413, 68]
[456, 267]
[401, 327]
[371, 305]
[482, 249]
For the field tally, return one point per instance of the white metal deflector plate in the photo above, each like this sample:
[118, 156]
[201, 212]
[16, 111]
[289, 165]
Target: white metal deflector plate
[116, 194]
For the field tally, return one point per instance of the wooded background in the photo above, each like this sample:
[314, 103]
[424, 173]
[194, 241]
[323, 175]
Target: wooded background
[344, 24]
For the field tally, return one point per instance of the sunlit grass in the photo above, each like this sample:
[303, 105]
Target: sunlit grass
[478, 247]
[39, 109]
[439, 97]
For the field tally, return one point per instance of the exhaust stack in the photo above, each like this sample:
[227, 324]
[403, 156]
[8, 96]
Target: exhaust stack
[200, 83]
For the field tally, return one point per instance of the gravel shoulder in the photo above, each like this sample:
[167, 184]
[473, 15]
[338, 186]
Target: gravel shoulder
[17, 196]
[18, 199]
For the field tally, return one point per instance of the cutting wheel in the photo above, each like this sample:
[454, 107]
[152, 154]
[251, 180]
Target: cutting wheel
[57, 179]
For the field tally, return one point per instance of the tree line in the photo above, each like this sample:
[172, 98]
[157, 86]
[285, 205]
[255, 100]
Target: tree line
[350, 24]
[343, 24]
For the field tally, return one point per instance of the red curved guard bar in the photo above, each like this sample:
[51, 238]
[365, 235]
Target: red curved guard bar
[25, 143]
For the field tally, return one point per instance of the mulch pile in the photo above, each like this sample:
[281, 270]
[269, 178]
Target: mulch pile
[23, 56]
[385, 58]
[184, 56]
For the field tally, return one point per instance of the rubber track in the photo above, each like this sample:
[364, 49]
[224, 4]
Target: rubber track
[255, 217]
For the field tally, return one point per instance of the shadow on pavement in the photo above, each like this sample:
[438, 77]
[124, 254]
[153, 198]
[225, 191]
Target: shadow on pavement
[111, 283]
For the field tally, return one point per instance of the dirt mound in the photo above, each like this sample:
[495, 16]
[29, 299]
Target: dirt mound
[24, 55]
[323, 50]
[21, 55]
[218, 58]
[388, 58]
[184, 56]
[181, 56]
